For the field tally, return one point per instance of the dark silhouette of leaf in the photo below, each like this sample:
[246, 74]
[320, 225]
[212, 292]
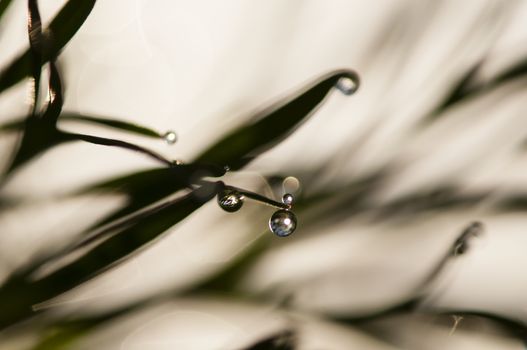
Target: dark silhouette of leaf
[113, 123]
[18, 124]
[281, 341]
[459, 91]
[412, 304]
[148, 186]
[58, 34]
[116, 143]
[467, 88]
[4, 4]
[36, 41]
[40, 133]
[273, 124]
[18, 295]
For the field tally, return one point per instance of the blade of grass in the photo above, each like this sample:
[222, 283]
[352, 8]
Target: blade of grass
[36, 40]
[61, 29]
[273, 124]
[113, 123]
[18, 295]
[18, 124]
[41, 134]
[285, 340]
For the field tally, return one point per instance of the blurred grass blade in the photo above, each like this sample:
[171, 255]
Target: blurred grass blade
[113, 123]
[18, 124]
[117, 143]
[60, 30]
[55, 99]
[273, 124]
[36, 41]
[41, 134]
[148, 186]
[467, 88]
[281, 341]
[18, 296]
[4, 4]
[458, 92]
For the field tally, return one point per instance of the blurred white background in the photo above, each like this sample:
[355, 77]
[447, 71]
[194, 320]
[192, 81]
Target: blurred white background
[200, 68]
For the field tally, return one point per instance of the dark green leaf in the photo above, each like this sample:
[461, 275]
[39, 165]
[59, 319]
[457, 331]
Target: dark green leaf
[281, 341]
[40, 133]
[60, 31]
[36, 40]
[273, 124]
[38, 137]
[466, 87]
[117, 143]
[148, 186]
[459, 91]
[123, 240]
[18, 124]
[113, 123]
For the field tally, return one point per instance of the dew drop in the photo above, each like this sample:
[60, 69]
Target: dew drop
[230, 201]
[170, 137]
[346, 85]
[287, 199]
[282, 223]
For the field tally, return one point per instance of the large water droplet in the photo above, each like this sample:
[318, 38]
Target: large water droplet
[230, 201]
[346, 85]
[170, 137]
[282, 223]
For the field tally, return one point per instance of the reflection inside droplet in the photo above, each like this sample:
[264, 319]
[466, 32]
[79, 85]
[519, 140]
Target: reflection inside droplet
[346, 85]
[170, 137]
[282, 223]
[230, 201]
[287, 199]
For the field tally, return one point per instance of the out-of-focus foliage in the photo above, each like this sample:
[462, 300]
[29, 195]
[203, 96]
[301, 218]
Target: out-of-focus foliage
[306, 286]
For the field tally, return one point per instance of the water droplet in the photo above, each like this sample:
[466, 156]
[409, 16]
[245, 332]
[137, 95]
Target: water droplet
[287, 199]
[346, 85]
[226, 168]
[282, 223]
[230, 201]
[170, 137]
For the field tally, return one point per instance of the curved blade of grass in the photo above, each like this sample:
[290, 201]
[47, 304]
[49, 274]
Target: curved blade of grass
[285, 340]
[61, 30]
[18, 296]
[148, 186]
[40, 134]
[36, 40]
[113, 123]
[273, 124]
[18, 124]
[465, 88]
[117, 143]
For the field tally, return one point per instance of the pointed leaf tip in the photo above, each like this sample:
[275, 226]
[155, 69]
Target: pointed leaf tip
[274, 123]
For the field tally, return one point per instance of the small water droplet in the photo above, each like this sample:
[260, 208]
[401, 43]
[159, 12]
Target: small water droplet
[282, 223]
[177, 162]
[226, 168]
[170, 137]
[230, 201]
[346, 85]
[287, 199]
